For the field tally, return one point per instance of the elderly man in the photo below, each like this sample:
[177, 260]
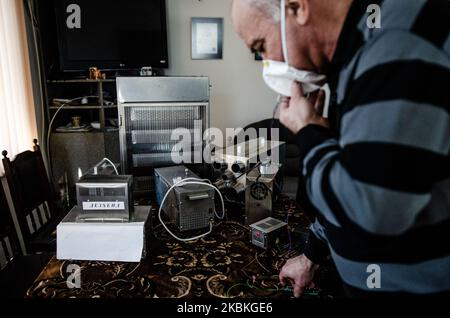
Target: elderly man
[377, 171]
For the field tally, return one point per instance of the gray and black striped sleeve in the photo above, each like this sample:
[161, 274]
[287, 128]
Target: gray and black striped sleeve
[394, 140]
[316, 249]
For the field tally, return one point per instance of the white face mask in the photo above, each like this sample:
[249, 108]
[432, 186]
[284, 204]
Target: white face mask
[279, 76]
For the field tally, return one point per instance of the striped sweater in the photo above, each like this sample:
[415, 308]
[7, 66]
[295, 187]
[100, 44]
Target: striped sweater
[379, 179]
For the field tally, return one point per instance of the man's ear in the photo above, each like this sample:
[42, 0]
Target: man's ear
[300, 8]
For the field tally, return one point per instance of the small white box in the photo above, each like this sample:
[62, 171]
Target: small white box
[109, 242]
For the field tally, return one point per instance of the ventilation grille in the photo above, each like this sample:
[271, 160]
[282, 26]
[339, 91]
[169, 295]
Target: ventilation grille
[194, 221]
[152, 159]
[102, 192]
[164, 114]
[149, 130]
[165, 135]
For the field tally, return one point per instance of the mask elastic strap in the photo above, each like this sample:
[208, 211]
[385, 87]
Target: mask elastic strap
[283, 31]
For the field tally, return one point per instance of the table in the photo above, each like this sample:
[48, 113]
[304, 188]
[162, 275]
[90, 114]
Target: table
[222, 265]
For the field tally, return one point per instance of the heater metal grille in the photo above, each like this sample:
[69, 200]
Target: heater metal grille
[154, 132]
[156, 115]
[194, 220]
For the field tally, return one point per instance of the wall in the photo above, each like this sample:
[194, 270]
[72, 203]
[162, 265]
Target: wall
[238, 95]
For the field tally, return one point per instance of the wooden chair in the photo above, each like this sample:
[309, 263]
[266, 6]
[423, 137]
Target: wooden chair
[34, 199]
[17, 272]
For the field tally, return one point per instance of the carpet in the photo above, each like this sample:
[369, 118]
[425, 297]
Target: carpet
[222, 265]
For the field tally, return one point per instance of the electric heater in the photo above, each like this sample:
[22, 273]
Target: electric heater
[161, 117]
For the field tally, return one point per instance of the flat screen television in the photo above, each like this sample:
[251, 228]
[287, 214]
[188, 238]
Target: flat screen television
[111, 34]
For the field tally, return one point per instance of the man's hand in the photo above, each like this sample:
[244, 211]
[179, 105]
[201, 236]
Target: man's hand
[298, 112]
[299, 272]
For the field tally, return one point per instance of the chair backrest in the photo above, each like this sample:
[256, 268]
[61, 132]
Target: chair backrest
[9, 242]
[31, 191]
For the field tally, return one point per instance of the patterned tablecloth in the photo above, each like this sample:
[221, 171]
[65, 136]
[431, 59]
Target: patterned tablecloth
[221, 265]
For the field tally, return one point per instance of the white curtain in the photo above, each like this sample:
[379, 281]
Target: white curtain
[17, 113]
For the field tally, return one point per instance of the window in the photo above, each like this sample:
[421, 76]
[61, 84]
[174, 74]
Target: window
[17, 113]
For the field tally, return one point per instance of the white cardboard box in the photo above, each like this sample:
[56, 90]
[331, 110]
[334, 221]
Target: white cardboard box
[109, 242]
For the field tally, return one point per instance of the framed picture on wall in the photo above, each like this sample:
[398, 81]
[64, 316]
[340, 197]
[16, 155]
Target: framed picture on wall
[207, 38]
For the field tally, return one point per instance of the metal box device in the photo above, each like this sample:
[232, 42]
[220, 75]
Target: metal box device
[190, 207]
[265, 233]
[83, 241]
[235, 162]
[259, 193]
[240, 158]
[105, 198]
[151, 109]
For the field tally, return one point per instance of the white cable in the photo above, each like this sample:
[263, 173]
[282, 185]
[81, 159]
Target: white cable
[182, 183]
[277, 107]
[112, 164]
[53, 119]
[283, 32]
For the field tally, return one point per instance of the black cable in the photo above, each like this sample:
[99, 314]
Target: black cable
[274, 114]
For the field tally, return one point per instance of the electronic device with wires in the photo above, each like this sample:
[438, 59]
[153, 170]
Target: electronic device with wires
[233, 164]
[105, 198]
[189, 207]
[241, 158]
[260, 192]
[265, 233]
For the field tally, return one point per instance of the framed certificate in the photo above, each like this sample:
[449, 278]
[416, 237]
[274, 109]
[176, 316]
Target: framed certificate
[207, 38]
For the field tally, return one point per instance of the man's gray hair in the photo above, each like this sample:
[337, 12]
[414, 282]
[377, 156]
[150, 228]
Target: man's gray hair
[271, 8]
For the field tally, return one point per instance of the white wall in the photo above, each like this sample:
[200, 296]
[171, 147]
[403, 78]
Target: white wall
[238, 95]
